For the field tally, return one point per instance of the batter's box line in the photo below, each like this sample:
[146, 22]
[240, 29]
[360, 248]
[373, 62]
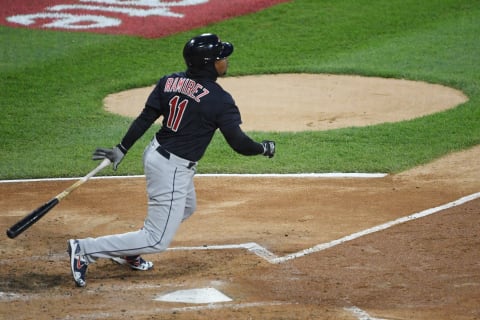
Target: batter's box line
[274, 259]
[250, 246]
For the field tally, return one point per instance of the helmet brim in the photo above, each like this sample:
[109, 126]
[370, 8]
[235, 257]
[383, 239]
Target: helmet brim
[227, 49]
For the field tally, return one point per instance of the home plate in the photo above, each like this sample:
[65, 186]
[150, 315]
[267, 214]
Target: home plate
[202, 295]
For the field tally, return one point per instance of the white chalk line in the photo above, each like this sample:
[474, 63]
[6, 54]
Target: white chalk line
[361, 314]
[381, 227]
[272, 258]
[235, 175]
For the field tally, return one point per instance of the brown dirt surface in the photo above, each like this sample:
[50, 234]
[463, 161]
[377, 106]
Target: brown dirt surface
[299, 102]
[425, 268]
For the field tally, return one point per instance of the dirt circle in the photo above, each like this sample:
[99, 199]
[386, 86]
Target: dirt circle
[298, 102]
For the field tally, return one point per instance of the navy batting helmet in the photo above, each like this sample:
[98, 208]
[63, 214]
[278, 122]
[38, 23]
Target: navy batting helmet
[204, 49]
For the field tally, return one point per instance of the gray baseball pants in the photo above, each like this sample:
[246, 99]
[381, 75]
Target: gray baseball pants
[171, 200]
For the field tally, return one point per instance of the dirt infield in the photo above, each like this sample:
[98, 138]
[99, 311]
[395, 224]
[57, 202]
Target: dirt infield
[266, 243]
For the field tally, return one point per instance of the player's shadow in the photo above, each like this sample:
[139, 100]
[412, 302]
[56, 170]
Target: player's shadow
[33, 282]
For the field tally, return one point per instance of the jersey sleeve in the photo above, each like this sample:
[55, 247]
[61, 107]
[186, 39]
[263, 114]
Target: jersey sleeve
[139, 126]
[154, 99]
[229, 115]
[240, 142]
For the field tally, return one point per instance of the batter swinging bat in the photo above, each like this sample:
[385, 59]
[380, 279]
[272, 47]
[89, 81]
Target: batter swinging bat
[38, 213]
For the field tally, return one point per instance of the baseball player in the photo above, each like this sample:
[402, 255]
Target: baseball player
[193, 106]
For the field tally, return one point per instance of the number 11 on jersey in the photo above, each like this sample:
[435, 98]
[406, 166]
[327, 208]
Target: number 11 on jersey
[176, 112]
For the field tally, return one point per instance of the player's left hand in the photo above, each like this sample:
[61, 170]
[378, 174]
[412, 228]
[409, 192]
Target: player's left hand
[115, 155]
[268, 148]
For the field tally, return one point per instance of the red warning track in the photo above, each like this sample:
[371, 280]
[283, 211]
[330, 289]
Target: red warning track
[145, 18]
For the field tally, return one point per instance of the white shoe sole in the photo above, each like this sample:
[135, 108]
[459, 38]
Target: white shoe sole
[146, 266]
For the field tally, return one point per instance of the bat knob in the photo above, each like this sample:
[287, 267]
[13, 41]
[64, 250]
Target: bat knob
[11, 234]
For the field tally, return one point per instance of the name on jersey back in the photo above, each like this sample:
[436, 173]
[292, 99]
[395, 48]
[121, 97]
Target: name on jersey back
[186, 86]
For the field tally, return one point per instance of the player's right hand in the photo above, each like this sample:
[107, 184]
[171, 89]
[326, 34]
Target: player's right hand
[268, 148]
[115, 155]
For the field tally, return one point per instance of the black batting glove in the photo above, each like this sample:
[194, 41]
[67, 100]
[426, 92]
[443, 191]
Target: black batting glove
[268, 148]
[115, 155]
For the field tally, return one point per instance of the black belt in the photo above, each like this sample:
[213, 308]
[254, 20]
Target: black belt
[164, 152]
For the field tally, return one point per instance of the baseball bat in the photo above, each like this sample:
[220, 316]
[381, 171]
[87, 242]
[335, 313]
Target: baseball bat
[38, 213]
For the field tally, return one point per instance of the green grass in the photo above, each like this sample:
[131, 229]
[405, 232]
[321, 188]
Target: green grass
[52, 85]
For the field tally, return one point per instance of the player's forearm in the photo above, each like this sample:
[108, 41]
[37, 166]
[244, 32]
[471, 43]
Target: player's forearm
[242, 143]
